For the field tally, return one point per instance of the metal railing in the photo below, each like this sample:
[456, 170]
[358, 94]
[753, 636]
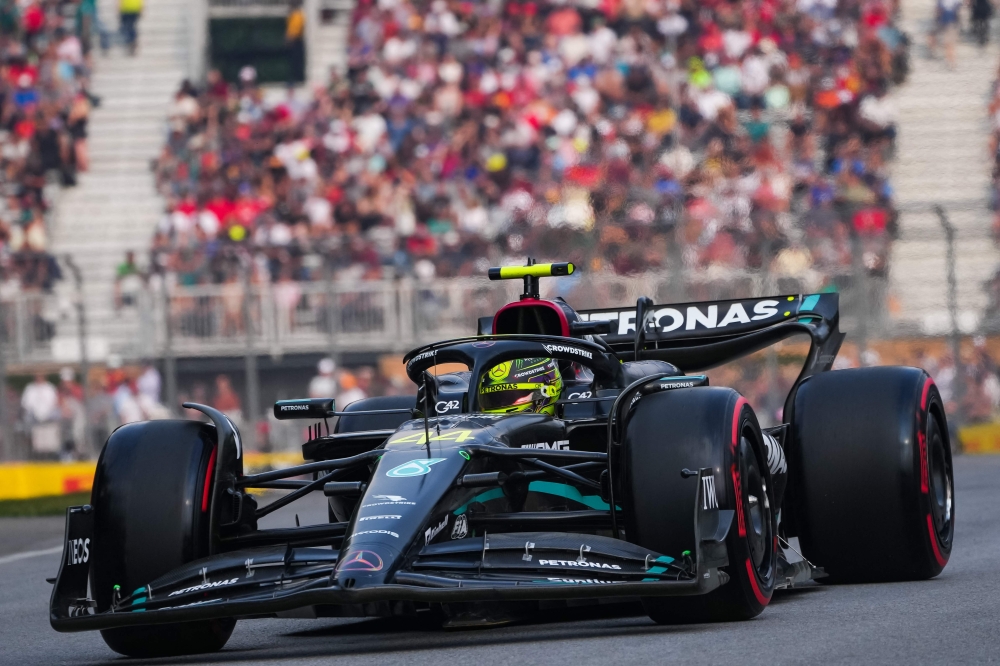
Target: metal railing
[397, 315]
[27, 327]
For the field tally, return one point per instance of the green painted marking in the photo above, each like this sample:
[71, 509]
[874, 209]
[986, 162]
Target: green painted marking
[465, 454]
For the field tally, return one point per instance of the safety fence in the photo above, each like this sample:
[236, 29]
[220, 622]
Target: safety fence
[381, 316]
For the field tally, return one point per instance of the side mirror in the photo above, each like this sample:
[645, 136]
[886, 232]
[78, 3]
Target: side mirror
[303, 408]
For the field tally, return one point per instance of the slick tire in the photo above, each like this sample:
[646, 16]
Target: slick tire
[871, 483]
[694, 428]
[150, 516]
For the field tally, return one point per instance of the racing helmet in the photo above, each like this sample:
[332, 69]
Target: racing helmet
[522, 385]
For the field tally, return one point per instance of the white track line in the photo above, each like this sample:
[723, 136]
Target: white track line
[29, 554]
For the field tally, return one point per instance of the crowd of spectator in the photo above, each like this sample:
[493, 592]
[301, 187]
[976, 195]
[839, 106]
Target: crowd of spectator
[992, 286]
[970, 391]
[623, 135]
[54, 421]
[45, 50]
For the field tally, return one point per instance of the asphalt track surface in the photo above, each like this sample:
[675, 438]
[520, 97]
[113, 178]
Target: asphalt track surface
[954, 618]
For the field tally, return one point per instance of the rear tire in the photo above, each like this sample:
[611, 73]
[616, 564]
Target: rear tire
[695, 428]
[871, 479]
[150, 516]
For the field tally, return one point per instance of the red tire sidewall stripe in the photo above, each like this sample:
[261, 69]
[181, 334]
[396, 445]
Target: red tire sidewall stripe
[941, 559]
[925, 473]
[923, 397]
[922, 438]
[208, 480]
[736, 421]
[738, 491]
[752, 575]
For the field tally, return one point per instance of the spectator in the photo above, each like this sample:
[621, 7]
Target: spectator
[324, 384]
[128, 281]
[40, 400]
[295, 27]
[226, 399]
[982, 12]
[124, 399]
[40, 403]
[946, 28]
[349, 390]
[72, 416]
[148, 383]
[129, 12]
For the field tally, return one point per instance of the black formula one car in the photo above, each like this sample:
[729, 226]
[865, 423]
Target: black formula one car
[645, 483]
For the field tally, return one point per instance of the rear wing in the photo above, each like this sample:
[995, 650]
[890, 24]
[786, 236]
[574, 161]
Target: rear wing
[714, 319]
[699, 336]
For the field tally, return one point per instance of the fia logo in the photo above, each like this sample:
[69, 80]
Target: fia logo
[461, 528]
[78, 551]
[709, 498]
[417, 467]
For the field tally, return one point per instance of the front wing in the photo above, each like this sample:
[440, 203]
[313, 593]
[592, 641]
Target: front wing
[511, 566]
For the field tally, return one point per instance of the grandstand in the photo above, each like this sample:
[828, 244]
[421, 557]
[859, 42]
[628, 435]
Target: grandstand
[115, 207]
[942, 158]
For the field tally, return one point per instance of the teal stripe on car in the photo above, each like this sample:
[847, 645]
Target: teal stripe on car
[547, 488]
[809, 303]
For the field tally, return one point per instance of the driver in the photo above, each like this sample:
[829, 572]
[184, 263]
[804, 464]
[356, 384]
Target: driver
[522, 385]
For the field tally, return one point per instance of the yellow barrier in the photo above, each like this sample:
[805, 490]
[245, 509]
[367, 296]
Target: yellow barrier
[254, 461]
[982, 438]
[28, 480]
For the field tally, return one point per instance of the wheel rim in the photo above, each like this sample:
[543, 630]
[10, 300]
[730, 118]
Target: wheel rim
[756, 510]
[940, 481]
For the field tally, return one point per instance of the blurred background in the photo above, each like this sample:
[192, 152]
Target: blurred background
[239, 201]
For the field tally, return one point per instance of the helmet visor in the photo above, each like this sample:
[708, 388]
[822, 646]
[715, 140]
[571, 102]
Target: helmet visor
[509, 396]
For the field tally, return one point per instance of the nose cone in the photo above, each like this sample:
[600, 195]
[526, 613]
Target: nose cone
[365, 564]
[401, 501]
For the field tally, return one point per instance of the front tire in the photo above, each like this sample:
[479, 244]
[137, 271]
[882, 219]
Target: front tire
[150, 516]
[871, 475]
[694, 428]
